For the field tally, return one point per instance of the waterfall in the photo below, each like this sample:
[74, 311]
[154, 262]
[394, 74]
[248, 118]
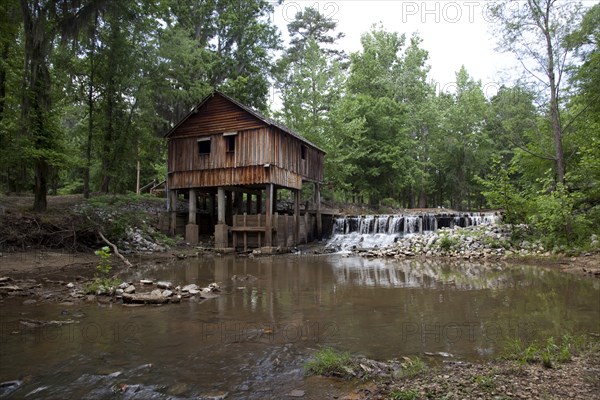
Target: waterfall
[372, 231]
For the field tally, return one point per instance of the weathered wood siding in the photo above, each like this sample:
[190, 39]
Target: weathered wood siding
[217, 115]
[262, 153]
[252, 175]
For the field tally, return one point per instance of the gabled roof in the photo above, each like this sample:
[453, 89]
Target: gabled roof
[249, 110]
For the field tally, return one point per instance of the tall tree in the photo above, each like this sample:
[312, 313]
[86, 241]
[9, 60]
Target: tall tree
[228, 45]
[535, 31]
[43, 22]
[309, 75]
[373, 95]
[464, 142]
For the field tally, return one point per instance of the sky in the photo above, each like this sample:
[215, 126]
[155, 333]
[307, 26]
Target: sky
[455, 33]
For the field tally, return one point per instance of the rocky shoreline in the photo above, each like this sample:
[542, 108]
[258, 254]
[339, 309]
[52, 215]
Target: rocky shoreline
[483, 242]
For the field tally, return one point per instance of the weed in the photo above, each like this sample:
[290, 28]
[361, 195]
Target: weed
[548, 353]
[329, 362]
[102, 283]
[447, 243]
[413, 366]
[484, 382]
[404, 395]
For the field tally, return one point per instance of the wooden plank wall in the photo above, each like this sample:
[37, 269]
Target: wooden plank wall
[234, 177]
[217, 115]
[253, 148]
[256, 144]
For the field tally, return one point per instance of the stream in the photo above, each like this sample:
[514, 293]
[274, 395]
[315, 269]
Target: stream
[253, 340]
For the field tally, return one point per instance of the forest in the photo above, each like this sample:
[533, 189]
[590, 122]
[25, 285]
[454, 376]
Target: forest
[88, 88]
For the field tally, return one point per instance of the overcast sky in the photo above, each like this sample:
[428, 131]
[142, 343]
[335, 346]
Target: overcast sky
[454, 33]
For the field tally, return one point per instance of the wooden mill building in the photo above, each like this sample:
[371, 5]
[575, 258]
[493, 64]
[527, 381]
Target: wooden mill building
[229, 161]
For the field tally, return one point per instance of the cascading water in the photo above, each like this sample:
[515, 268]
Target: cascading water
[376, 231]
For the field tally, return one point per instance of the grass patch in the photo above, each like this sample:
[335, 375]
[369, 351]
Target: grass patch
[103, 285]
[404, 395]
[413, 366]
[484, 382]
[447, 243]
[548, 353]
[329, 362]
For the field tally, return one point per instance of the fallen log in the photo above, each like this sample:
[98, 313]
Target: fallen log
[144, 298]
[116, 251]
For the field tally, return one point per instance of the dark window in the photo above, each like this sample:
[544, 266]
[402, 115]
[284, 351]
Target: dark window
[303, 152]
[230, 143]
[204, 147]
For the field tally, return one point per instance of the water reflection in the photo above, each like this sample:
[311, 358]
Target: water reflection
[257, 334]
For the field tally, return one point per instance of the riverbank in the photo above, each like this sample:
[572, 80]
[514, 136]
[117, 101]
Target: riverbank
[577, 378]
[484, 243]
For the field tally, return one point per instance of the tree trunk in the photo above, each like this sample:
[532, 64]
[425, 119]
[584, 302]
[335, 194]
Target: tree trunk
[88, 145]
[5, 50]
[36, 102]
[422, 199]
[554, 111]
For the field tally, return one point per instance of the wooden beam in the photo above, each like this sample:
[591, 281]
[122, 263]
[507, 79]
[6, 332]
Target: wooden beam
[192, 206]
[248, 203]
[269, 214]
[296, 216]
[172, 211]
[318, 210]
[220, 205]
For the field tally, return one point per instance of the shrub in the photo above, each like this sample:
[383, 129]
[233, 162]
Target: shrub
[328, 362]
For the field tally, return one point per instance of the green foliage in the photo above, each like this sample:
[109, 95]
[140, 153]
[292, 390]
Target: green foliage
[500, 192]
[413, 366]
[447, 243]
[548, 353]
[328, 362]
[404, 395]
[104, 265]
[103, 283]
[485, 382]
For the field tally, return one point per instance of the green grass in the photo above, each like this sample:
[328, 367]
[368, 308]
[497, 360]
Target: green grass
[484, 382]
[548, 353]
[404, 395]
[413, 366]
[447, 243]
[103, 286]
[328, 362]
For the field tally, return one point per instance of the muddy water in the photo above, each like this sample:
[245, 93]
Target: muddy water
[252, 341]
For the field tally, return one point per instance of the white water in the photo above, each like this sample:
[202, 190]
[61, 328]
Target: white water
[377, 231]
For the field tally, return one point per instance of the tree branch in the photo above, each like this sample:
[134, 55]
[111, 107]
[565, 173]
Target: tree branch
[115, 250]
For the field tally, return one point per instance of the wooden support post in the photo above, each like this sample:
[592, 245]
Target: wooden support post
[213, 205]
[286, 234]
[296, 216]
[248, 203]
[221, 229]
[318, 210]
[269, 215]
[228, 207]
[239, 203]
[246, 234]
[191, 229]
[220, 206]
[192, 207]
[306, 227]
[172, 211]
[259, 203]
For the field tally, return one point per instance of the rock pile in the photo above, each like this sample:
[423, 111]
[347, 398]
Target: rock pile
[163, 292]
[139, 242]
[474, 242]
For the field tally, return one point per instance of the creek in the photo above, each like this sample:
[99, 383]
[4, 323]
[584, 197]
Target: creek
[253, 339]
